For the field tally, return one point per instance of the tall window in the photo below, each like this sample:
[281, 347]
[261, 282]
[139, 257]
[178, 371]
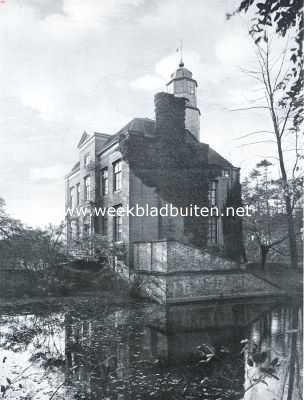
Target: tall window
[117, 225]
[104, 225]
[179, 86]
[75, 229]
[117, 176]
[72, 197]
[212, 195]
[86, 227]
[212, 230]
[87, 160]
[77, 194]
[191, 87]
[87, 188]
[104, 181]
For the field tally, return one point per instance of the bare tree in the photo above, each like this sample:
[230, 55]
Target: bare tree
[266, 225]
[283, 107]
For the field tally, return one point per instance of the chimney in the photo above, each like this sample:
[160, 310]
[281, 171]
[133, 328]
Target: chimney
[170, 116]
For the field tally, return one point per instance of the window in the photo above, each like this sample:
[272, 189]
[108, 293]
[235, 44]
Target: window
[86, 227]
[226, 173]
[75, 230]
[212, 195]
[117, 225]
[87, 188]
[77, 194]
[117, 176]
[212, 230]
[87, 160]
[191, 87]
[179, 87]
[69, 230]
[104, 181]
[104, 225]
[72, 197]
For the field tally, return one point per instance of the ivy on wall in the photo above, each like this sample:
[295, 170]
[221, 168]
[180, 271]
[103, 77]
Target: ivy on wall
[232, 226]
[179, 173]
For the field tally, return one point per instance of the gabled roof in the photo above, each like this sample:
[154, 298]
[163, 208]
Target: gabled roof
[84, 137]
[75, 167]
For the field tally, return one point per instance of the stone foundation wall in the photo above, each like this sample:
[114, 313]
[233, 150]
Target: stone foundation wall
[173, 272]
[183, 257]
[173, 256]
[202, 286]
[216, 286]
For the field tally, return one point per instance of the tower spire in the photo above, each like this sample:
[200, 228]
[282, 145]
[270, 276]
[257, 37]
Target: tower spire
[183, 85]
[181, 64]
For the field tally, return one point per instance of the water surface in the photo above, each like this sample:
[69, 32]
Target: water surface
[237, 350]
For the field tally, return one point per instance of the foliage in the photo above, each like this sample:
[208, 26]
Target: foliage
[98, 249]
[136, 285]
[284, 17]
[8, 226]
[178, 172]
[28, 248]
[34, 250]
[232, 226]
[283, 89]
[265, 230]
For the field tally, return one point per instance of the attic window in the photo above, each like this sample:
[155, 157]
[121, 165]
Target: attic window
[226, 173]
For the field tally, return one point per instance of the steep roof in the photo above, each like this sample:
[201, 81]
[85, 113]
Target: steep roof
[144, 126]
[216, 159]
[213, 157]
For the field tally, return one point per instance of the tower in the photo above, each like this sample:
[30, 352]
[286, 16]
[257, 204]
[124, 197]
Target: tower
[182, 84]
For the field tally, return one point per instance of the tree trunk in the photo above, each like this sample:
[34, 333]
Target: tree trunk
[292, 237]
[279, 131]
[264, 252]
[287, 197]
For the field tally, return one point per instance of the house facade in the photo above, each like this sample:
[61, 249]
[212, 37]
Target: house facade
[154, 163]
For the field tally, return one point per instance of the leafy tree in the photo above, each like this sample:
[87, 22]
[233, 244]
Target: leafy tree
[31, 249]
[97, 248]
[8, 225]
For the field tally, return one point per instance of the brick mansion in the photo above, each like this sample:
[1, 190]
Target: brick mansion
[156, 162]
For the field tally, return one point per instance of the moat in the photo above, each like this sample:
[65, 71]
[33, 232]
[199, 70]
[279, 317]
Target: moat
[225, 350]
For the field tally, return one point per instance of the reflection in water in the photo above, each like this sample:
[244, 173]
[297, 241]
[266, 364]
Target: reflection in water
[278, 334]
[155, 352]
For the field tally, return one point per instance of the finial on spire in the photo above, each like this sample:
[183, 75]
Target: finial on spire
[180, 49]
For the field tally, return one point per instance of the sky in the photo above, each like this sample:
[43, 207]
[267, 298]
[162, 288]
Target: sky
[74, 65]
